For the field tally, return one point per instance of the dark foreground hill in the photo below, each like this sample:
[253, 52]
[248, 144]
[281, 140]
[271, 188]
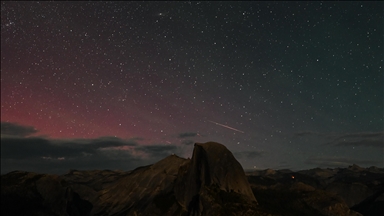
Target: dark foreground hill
[212, 182]
[340, 191]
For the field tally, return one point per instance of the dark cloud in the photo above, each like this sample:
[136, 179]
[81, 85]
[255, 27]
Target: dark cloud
[283, 165]
[307, 133]
[26, 148]
[187, 134]
[31, 147]
[158, 150]
[365, 143]
[137, 139]
[363, 135]
[59, 155]
[14, 129]
[365, 139]
[338, 162]
[188, 142]
[248, 154]
[101, 142]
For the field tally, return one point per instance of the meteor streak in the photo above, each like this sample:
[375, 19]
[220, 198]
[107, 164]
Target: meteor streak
[226, 126]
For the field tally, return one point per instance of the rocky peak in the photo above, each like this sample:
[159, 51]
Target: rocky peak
[212, 168]
[355, 168]
[216, 165]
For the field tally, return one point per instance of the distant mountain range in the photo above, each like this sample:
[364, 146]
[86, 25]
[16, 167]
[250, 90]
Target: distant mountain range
[212, 182]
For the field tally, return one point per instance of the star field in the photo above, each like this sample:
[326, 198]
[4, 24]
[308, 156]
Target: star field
[301, 80]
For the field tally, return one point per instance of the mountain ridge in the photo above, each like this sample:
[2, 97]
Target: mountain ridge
[212, 182]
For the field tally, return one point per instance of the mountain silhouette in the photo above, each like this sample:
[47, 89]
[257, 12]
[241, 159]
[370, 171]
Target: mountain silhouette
[212, 182]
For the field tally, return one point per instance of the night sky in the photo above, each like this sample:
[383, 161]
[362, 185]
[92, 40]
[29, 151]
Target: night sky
[116, 85]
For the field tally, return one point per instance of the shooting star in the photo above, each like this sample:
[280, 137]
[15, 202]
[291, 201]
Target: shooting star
[226, 126]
